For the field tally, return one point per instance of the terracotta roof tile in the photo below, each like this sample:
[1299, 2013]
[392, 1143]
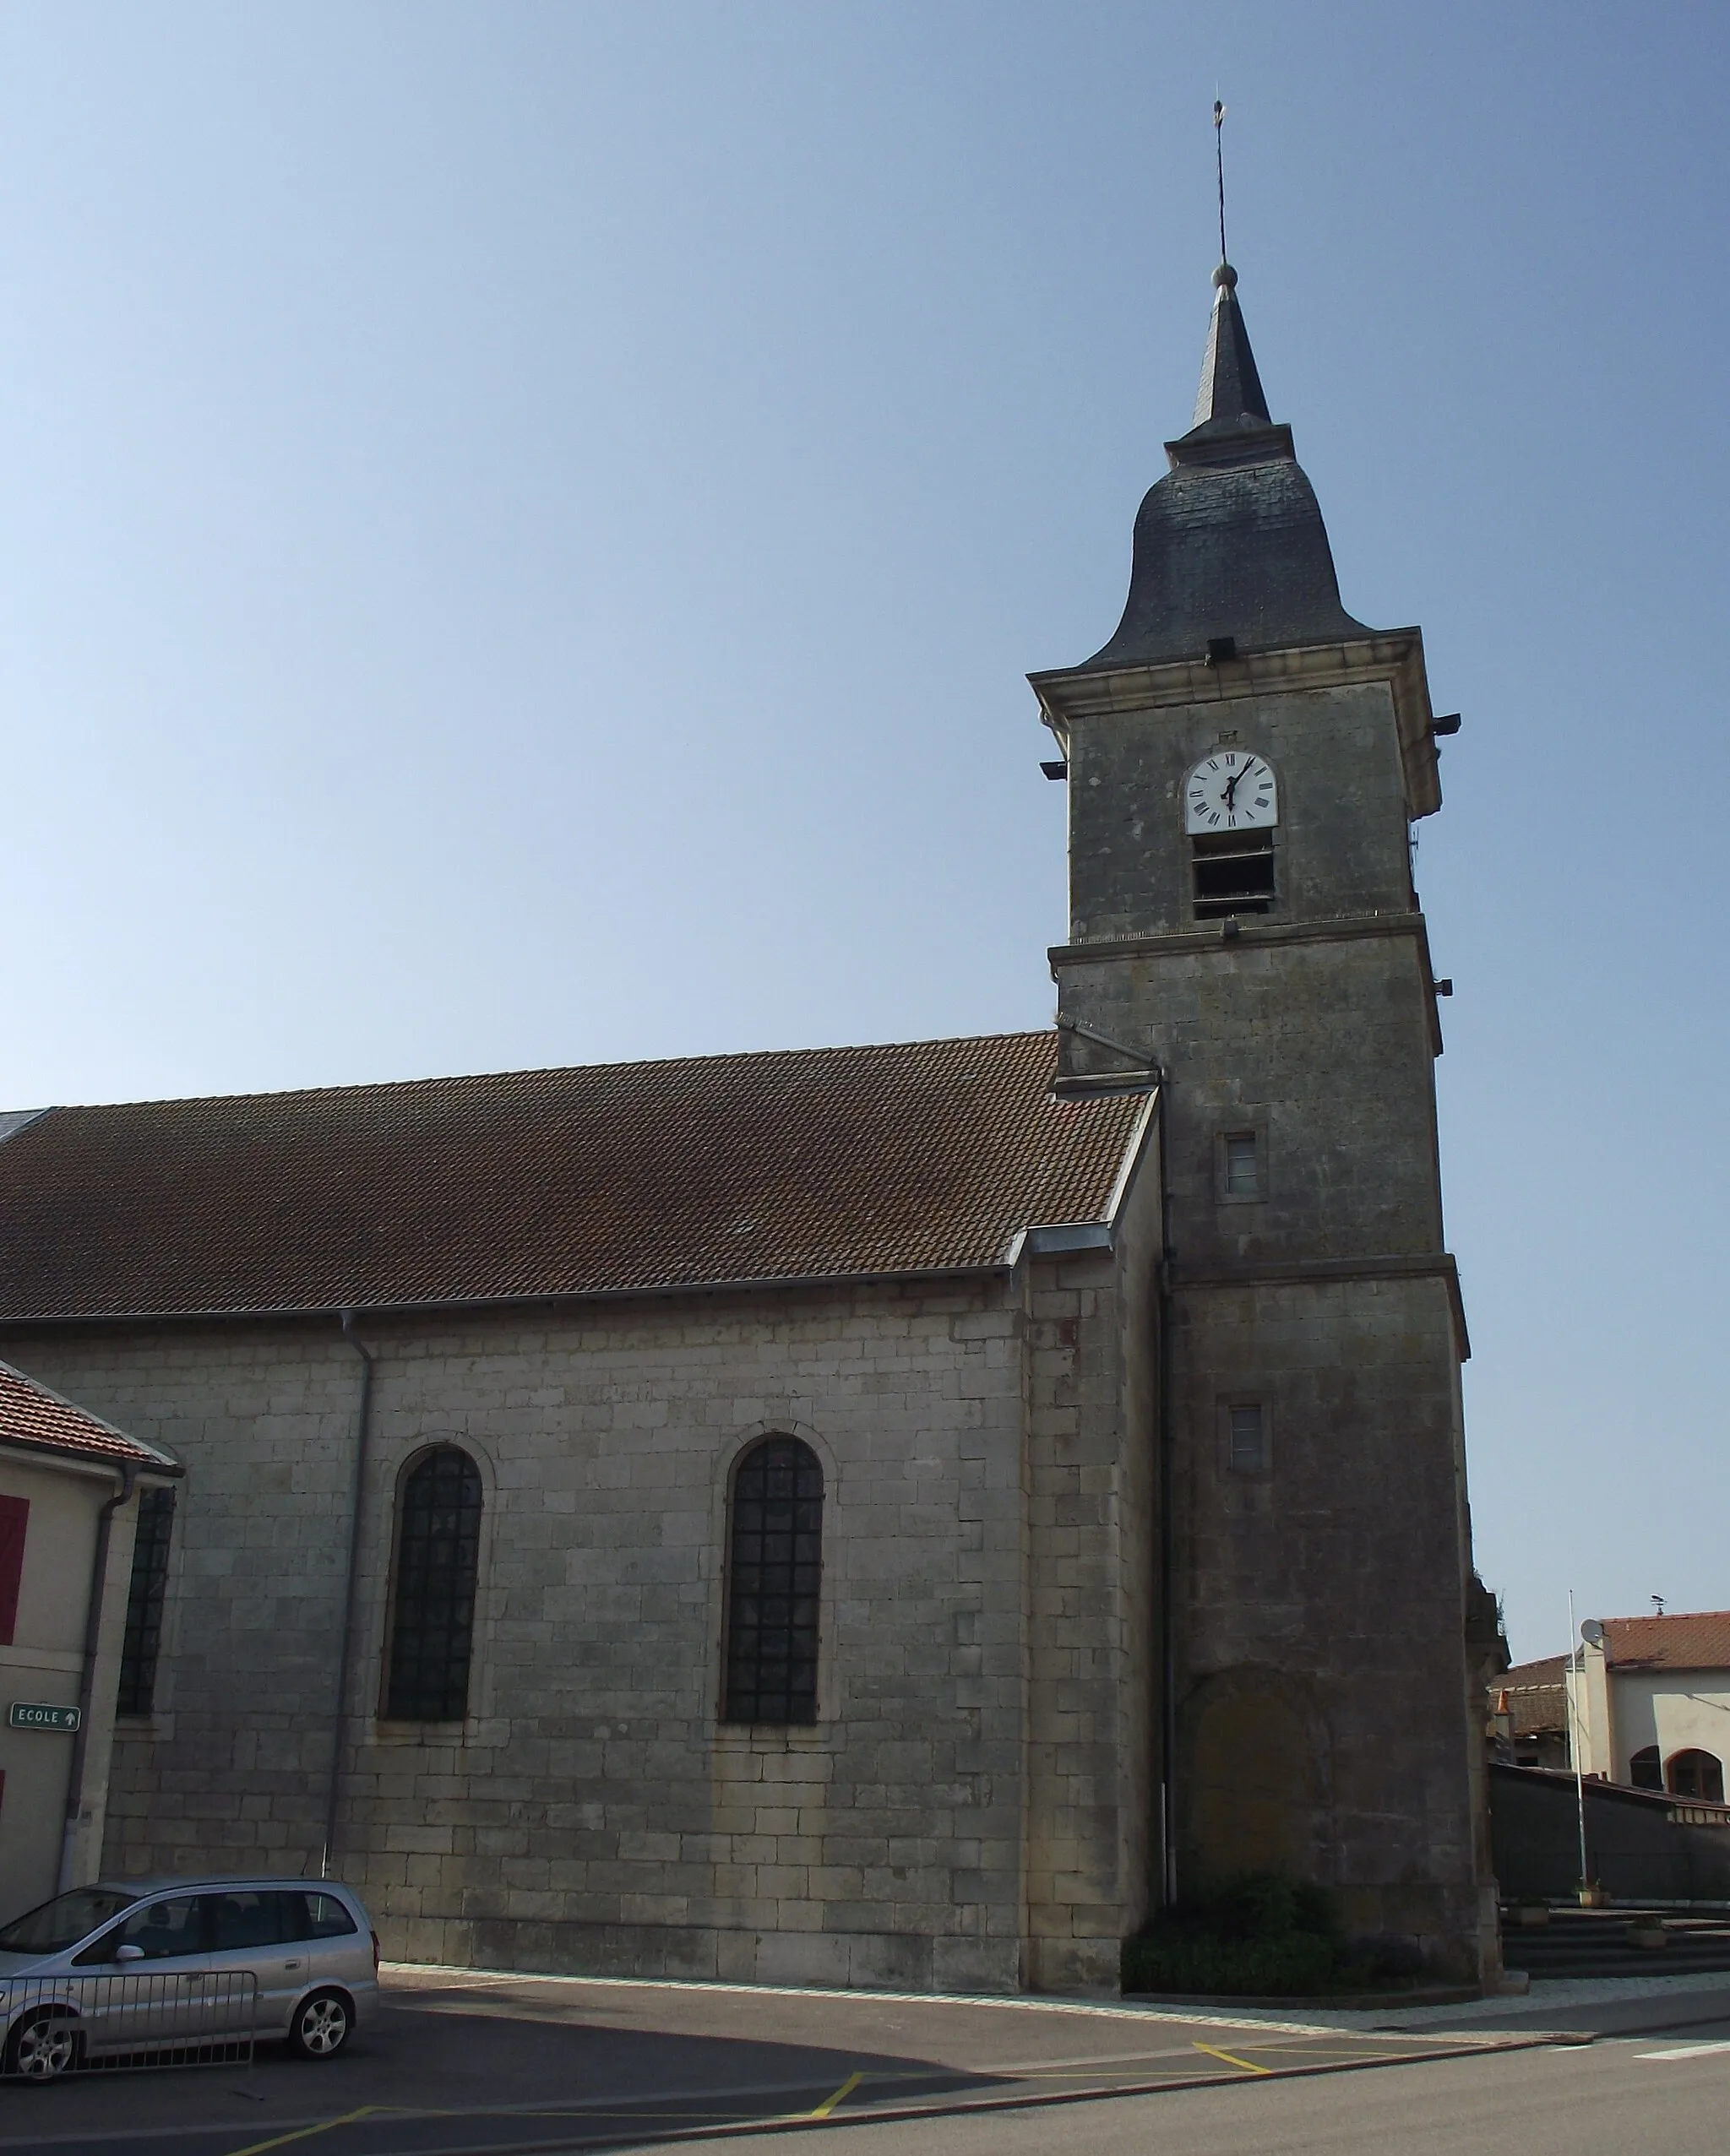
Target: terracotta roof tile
[1695, 1640]
[816, 1163]
[30, 1415]
[1536, 1694]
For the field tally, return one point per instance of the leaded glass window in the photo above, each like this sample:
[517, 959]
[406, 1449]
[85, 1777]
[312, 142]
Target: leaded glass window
[141, 1644]
[438, 1561]
[773, 1582]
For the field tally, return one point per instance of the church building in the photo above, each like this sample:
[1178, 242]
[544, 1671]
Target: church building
[884, 1515]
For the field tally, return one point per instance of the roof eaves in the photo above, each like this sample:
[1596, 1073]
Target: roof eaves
[542, 1299]
[141, 1459]
[153, 1452]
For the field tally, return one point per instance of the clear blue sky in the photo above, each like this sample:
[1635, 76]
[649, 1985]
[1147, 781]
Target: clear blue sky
[524, 525]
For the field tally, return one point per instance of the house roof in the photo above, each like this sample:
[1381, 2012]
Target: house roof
[1536, 1694]
[32, 1415]
[815, 1164]
[1698, 1639]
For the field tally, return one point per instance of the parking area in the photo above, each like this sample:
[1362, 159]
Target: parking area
[459, 2062]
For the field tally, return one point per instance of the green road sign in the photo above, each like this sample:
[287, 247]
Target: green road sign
[26, 1714]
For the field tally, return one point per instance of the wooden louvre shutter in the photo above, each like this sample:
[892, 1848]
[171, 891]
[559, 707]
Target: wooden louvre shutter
[14, 1518]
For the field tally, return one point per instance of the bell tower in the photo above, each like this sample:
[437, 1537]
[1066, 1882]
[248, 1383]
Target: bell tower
[1245, 761]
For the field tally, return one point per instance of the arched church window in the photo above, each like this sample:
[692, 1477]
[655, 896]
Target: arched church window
[1696, 1774]
[1646, 1770]
[437, 1563]
[774, 1576]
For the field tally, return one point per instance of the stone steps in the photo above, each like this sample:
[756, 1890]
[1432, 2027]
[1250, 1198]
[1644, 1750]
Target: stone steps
[1597, 1942]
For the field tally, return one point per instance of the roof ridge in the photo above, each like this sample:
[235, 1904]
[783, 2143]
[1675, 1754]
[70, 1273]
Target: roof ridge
[548, 1071]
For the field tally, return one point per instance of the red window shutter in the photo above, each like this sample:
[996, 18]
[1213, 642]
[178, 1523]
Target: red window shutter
[14, 1517]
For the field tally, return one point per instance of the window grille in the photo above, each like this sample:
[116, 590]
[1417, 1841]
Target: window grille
[1248, 1440]
[438, 1562]
[773, 1581]
[141, 1644]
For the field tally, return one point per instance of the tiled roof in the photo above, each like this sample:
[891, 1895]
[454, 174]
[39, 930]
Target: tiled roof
[818, 1162]
[1695, 1640]
[30, 1415]
[1536, 1694]
[1524, 1674]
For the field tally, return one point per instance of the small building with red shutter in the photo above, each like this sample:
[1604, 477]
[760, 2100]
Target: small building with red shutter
[72, 1490]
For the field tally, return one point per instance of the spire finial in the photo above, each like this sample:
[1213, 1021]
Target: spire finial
[1219, 166]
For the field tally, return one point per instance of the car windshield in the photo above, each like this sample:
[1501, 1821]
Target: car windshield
[65, 1920]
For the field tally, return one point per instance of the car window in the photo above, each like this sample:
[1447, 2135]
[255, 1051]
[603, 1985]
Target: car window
[62, 1922]
[327, 1918]
[238, 1921]
[159, 1930]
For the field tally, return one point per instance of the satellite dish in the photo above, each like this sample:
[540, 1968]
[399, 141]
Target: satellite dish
[1592, 1632]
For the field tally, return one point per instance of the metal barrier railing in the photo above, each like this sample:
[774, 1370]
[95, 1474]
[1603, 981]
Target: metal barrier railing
[56, 2025]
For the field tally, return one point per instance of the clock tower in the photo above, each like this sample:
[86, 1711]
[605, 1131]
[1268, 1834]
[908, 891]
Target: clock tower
[1245, 762]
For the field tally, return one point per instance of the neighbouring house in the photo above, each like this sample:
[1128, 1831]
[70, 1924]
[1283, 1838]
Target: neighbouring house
[1529, 1714]
[84, 1512]
[1649, 1700]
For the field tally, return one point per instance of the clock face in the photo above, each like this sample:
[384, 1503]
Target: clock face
[1230, 790]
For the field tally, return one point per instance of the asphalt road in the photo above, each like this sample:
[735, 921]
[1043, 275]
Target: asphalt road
[500, 2066]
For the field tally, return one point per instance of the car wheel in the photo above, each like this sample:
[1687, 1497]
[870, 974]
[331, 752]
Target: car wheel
[44, 2046]
[323, 2023]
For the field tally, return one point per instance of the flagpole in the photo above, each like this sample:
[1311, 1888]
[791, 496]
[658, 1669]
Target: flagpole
[1576, 1664]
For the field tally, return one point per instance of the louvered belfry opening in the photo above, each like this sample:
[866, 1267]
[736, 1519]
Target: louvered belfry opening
[774, 1580]
[437, 1563]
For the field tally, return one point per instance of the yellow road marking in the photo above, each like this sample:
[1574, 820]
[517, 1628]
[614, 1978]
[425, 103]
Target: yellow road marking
[1230, 2058]
[303, 2134]
[829, 2103]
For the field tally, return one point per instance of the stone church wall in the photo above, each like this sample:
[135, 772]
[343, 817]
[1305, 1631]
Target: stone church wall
[956, 1817]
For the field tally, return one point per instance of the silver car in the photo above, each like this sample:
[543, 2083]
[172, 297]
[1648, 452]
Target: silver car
[157, 1968]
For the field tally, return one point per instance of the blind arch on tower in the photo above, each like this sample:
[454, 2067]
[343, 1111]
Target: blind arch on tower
[775, 1578]
[432, 1603]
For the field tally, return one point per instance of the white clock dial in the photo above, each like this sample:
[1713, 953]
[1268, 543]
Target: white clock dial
[1230, 790]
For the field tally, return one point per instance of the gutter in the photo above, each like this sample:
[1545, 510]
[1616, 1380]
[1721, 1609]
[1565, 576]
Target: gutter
[441, 1305]
[130, 1473]
[338, 1717]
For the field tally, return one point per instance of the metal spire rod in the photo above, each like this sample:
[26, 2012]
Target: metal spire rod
[1219, 160]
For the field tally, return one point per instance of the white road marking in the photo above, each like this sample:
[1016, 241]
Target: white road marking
[1685, 2052]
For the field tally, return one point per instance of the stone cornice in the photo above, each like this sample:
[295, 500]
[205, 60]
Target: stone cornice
[1341, 928]
[1395, 657]
[1325, 1272]
[1250, 933]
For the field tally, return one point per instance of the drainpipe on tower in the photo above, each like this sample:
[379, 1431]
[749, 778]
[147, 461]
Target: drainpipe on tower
[333, 1789]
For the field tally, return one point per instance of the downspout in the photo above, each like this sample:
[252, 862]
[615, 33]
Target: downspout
[1167, 1535]
[87, 1678]
[332, 1791]
[1151, 1068]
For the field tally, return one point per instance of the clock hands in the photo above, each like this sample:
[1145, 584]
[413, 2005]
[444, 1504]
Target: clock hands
[1232, 785]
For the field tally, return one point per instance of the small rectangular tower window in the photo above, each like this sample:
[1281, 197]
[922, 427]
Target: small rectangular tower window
[1246, 1440]
[1243, 1164]
[1233, 873]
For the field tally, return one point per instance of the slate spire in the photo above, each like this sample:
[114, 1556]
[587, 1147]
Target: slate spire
[1230, 546]
[1231, 388]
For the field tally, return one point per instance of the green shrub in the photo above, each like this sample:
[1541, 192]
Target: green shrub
[1167, 1959]
[1259, 1933]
